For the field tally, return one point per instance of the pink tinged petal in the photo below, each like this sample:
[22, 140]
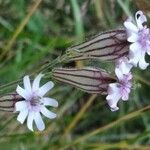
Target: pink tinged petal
[148, 47]
[36, 82]
[133, 37]
[30, 120]
[140, 19]
[50, 102]
[22, 92]
[129, 77]
[39, 122]
[22, 116]
[27, 84]
[47, 113]
[21, 105]
[142, 63]
[113, 96]
[45, 88]
[130, 27]
[125, 89]
[125, 95]
[134, 54]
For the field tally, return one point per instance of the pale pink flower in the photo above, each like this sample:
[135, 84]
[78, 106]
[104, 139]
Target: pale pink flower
[139, 36]
[123, 66]
[120, 89]
[34, 102]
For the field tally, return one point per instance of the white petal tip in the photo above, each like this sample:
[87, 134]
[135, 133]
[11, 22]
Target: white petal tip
[54, 116]
[31, 130]
[41, 129]
[113, 109]
[125, 99]
[52, 83]
[18, 89]
[144, 67]
[20, 120]
[56, 104]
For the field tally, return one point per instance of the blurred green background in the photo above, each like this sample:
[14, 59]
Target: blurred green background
[34, 33]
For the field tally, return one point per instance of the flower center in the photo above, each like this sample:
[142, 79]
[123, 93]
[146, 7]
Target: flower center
[35, 101]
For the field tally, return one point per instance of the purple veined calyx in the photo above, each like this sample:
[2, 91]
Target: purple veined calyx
[108, 46]
[90, 80]
[7, 102]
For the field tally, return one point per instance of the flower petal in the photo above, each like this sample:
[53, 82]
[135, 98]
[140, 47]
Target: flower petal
[45, 88]
[22, 92]
[134, 54]
[22, 116]
[130, 26]
[125, 94]
[140, 19]
[113, 96]
[30, 120]
[50, 102]
[27, 84]
[36, 82]
[114, 108]
[39, 122]
[47, 113]
[123, 67]
[142, 63]
[119, 73]
[133, 37]
[21, 105]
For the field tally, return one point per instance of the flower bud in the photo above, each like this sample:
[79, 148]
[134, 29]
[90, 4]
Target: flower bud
[90, 80]
[106, 46]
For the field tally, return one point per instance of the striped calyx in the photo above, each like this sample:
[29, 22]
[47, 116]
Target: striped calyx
[90, 80]
[107, 46]
[7, 102]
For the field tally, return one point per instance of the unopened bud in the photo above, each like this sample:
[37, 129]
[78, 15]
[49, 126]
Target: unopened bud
[90, 80]
[108, 46]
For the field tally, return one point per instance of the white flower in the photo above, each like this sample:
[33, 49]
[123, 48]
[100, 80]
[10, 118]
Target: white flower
[139, 36]
[121, 89]
[34, 102]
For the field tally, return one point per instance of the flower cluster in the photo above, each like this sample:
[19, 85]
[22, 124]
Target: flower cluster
[109, 45]
[139, 37]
